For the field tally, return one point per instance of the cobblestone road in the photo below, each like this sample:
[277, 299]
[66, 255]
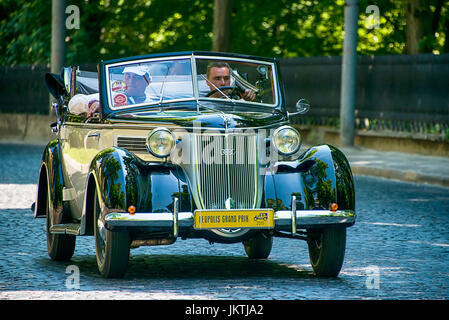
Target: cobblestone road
[398, 249]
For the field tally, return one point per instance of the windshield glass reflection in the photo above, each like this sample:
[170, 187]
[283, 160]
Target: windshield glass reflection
[156, 82]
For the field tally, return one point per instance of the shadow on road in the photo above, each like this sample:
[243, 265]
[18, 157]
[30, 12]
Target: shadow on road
[187, 267]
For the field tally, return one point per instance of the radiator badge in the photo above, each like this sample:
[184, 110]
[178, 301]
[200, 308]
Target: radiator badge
[227, 152]
[230, 203]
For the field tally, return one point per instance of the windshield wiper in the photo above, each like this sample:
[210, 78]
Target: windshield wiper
[163, 89]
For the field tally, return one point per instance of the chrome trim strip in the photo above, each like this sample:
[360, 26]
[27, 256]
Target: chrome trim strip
[293, 215]
[314, 217]
[194, 81]
[139, 125]
[175, 218]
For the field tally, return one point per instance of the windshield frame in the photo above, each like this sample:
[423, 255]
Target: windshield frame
[106, 93]
[141, 61]
[274, 80]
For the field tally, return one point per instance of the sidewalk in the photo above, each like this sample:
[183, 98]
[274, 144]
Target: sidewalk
[369, 162]
[399, 166]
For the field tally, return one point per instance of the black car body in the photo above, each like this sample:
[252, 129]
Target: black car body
[188, 160]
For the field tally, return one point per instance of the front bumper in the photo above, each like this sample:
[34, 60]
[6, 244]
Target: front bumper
[175, 222]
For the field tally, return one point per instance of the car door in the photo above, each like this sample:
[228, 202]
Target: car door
[80, 142]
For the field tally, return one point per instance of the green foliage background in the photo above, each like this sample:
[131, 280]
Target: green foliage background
[116, 28]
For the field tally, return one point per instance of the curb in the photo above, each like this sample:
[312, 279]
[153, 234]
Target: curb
[407, 176]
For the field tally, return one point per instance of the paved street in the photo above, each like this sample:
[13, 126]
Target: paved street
[398, 249]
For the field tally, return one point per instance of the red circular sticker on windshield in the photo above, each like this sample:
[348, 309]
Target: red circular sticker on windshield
[120, 99]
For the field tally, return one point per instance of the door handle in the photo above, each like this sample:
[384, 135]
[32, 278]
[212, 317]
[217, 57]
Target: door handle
[94, 135]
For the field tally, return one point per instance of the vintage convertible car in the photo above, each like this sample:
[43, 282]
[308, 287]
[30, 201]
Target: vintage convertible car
[188, 145]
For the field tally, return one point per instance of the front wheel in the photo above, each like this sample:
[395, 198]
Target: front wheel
[60, 246]
[327, 250]
[112, 248]
[259, 246]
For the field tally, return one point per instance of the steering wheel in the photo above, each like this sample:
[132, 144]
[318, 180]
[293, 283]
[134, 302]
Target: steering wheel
[233, 90]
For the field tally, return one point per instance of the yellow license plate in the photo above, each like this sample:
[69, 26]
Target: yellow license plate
[242, 218]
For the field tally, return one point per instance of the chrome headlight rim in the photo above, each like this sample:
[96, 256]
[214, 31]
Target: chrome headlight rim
[152, 133]
[275, 142]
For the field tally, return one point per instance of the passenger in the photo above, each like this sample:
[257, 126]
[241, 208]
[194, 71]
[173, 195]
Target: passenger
[84, 104]
[129, 91]
[137, 79]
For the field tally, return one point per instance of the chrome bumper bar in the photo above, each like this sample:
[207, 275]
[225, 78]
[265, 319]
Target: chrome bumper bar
[284, 220]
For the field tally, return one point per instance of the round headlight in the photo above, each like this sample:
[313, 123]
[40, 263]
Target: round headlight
[160, 142]
[287, 140]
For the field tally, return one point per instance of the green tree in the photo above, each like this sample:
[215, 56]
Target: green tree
[144, 27]
[387, 34]
[427, 25]
[25, 32]
[282, 28]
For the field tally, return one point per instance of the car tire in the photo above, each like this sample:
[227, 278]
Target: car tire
[112, 247]
[259, 246]
[327, 250]
[60, 246]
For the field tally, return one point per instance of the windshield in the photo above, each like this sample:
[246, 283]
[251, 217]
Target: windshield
[236, 80]
[165, 80]
[149, 82]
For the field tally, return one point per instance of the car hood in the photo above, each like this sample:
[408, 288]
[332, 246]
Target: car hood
[209, 119]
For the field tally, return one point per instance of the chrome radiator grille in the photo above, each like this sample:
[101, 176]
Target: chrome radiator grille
[226, 171]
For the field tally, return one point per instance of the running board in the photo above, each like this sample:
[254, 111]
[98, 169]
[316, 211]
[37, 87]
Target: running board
[68, 228]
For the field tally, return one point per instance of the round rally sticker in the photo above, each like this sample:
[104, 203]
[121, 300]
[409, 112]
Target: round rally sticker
[120, 99]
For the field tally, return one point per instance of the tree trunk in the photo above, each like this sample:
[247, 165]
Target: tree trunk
[421, 25]
[222, 26]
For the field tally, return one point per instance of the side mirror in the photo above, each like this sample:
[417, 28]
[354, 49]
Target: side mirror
[302, 106]
[67, 76]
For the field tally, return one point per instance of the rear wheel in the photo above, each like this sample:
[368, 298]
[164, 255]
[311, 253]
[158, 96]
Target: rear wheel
[259, 246]
[112, 248]
[60, 246]
[327, 250]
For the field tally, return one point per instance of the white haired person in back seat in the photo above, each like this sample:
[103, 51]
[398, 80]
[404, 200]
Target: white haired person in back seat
[129, 91]
[84, 104]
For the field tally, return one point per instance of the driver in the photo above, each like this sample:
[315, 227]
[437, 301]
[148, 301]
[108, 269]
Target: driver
[218, 75]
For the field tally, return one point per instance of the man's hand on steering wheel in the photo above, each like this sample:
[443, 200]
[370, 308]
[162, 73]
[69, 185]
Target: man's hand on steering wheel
[220, 90]
[247, 95]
